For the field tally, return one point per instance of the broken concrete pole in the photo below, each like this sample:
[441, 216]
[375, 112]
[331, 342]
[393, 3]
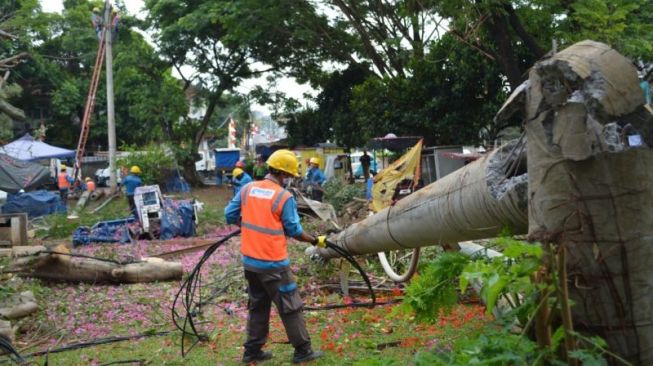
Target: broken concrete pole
[81, 203]
[590, 189]
[474, 202]
[63, 267]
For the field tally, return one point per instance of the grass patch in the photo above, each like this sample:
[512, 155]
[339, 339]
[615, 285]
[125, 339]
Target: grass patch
[58, 226]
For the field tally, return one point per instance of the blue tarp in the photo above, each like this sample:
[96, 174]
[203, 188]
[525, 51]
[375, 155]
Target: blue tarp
[177, 220]
[226, 158]
[26, 148]
[37, 203]
[104, 232]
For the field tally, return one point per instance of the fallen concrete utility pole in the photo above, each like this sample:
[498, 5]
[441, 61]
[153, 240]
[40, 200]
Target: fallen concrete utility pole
[40, 262]
[474, 202]
[81, 203]
[590, 189]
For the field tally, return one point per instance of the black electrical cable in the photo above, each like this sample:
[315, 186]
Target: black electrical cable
[6, 345]
[189, 288]
[97, 342]
[349, 258]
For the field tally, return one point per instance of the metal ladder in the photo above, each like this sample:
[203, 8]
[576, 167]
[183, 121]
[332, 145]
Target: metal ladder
[88, 109]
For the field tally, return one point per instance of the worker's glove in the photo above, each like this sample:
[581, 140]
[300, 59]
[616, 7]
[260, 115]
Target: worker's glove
[320, 241]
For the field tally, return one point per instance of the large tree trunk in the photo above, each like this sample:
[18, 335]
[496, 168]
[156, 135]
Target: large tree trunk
[190, 173]
[507, 58]
[38, 263]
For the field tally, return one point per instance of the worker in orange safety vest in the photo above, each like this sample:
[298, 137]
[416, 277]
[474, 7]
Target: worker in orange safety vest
[267, 214]
[90, 184]
[64, 181]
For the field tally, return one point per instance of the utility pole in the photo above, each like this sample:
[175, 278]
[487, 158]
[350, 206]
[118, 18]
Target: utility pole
[111, 123]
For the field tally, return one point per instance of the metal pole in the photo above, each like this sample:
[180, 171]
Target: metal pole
[111, 123]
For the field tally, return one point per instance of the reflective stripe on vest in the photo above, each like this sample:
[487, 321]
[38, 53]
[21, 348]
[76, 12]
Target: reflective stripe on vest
[262, 232]
[63, 181]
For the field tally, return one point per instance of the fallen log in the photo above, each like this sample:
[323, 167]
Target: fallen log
[61, 265]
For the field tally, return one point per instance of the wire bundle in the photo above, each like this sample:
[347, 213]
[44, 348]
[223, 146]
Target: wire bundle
[188, 292]
[6, 346]
[349, 258]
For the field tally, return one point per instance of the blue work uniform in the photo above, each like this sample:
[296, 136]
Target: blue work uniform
[130, 182]
[239, 183]
[291, 227]
[314, 176]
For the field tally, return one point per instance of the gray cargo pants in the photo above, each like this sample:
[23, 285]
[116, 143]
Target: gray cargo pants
[280, 288]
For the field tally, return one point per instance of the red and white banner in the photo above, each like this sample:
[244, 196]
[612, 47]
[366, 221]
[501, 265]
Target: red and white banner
[231, 141]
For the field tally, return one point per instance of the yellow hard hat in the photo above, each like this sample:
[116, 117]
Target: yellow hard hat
[96, 10]
[237, 172]
[63, 167]
[315, 160]
[88, 179]
[285, 161]
[135, 170]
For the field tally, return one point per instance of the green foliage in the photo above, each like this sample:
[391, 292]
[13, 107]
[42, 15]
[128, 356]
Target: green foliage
[58, 226]
[156, 162]
[338, 193]
[507, 275]
[623, 24]
[492, 347]
[435, 287]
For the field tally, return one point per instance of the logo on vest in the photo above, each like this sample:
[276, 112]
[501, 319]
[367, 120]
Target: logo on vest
[261, 193]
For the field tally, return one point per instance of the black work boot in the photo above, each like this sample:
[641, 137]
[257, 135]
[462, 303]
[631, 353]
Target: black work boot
[249, 357]
[306, 355]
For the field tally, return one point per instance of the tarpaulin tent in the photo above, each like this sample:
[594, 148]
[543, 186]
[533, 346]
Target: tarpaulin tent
[17, 174]
[28, 149]
[392, 142]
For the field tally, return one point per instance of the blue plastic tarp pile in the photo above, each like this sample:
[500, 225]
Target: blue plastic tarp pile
[104, 232]
[37, 203]
[177, 219]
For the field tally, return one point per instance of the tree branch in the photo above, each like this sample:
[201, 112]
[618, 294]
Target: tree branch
[7, 35]
[367, 43]
[517, 25]
[14, 60]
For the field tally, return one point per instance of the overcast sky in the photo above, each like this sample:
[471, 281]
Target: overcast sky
[286, 85]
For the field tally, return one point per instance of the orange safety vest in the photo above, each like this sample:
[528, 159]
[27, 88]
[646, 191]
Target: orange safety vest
[62, 180]
[90, 186]
[261, 228]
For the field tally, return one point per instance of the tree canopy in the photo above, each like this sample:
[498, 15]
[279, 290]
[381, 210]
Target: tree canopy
[436, 68]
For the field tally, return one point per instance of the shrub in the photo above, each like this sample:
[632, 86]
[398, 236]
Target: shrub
[157, 162]
[436, 286]
[338, 193]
